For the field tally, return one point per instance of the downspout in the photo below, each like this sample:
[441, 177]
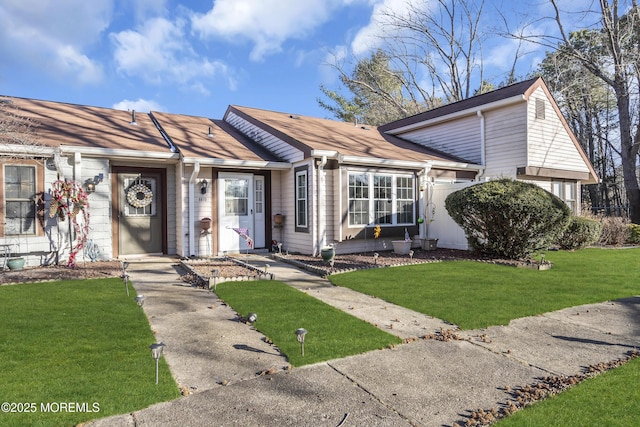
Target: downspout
[77, 167]
[482, 146]
[322, 227]
[423, 202]
[192, 214]
[57, 160]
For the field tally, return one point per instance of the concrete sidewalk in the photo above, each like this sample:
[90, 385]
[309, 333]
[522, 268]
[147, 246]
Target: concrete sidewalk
[236, 378]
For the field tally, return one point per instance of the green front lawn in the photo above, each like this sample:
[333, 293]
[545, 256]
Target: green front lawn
[73, 351]
[281, 310]
[610, 399]
[476, 295]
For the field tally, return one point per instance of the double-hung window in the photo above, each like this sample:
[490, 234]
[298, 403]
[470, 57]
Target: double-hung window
[381, 198]
[566, 190]
[301, 192]
[19, 198]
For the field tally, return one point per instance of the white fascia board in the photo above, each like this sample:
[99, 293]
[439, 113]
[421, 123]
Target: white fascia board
[119, 153]
[468, 112]
[374, 161]
[455, 165]
[243, 164]
[330, 154]
[26, 150]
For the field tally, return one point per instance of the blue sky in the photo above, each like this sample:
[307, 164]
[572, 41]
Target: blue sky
[198, 56]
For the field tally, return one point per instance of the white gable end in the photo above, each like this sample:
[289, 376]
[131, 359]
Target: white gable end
[275, 145]
[549, 144]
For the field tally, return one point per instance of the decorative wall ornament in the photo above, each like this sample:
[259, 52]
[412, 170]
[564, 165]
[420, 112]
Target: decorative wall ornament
[139, 195]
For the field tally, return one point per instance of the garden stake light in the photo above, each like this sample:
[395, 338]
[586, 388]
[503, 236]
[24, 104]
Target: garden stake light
[125, 276]
[300, 334]
[156, 353]
[252, 318]
[140, 302]
[214, 276]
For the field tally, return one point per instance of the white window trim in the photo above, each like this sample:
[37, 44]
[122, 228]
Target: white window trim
[372, 199]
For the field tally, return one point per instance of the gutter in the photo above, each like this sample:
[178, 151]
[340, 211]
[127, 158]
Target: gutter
[119, 153]
[467, 112]
[192, 214]
[238, 164]
[322, 229]
[483, 146]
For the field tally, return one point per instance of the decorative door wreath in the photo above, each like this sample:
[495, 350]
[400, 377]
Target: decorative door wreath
[139, 195]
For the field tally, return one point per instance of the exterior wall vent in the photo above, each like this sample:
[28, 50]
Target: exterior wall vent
[540, 109]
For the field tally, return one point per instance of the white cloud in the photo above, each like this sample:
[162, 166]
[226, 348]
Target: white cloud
[368, 37]
[143, 105]
[40, 32]
[159, 52]
[267, 24]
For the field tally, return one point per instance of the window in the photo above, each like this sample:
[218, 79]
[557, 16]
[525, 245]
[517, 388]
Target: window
[301, 198]
[20, 192]
[389, 197]
[236, 197]
[566, 191]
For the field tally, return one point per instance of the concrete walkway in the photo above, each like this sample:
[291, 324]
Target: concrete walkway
[235, 378]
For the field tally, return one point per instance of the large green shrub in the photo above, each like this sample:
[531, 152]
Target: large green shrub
[508, 218]
[634, 234]
[581, 232]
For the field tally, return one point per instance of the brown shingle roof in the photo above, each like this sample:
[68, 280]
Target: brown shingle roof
[310, 133]
[506, 92]
[84, 126]
[190, 135]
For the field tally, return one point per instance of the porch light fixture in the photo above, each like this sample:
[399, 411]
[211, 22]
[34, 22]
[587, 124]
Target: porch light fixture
[90, 184]
[203, 186]
[300, 334]
[156, 353]
[140, 302]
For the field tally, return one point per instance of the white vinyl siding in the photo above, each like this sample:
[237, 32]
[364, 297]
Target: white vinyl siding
[505, 140]
[550, 146]
[460, 138]
[265, 139]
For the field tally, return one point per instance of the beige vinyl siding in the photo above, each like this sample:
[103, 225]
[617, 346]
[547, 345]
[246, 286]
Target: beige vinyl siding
[505, 140]
[460, 137]
[171, 200]
[297, 241]
[549, 144]
[270, 142]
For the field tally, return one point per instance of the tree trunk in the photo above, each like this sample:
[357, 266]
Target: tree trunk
[628, 153]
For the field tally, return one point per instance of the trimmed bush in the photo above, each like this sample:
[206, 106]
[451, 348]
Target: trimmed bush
[580, 233]
[507, 218]
[634, 234]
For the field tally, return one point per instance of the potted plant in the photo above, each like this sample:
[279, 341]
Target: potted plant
[15, 261]
[402, 247]
[328, 253]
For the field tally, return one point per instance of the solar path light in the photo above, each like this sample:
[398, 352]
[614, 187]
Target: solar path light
[252, 318]
[140, 302]
[125, 276]
[214, 276]
[300, 334]
[156, 353]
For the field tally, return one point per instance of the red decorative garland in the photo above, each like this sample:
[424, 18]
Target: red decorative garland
[68, 201]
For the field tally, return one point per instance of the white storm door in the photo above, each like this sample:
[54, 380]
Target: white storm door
[259, 205]
[235, 210]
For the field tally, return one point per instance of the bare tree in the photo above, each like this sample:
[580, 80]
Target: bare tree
[16, 130]
[613, 56]
[430, 53]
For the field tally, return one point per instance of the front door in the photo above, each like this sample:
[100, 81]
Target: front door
[235, 211]
[139, 204]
